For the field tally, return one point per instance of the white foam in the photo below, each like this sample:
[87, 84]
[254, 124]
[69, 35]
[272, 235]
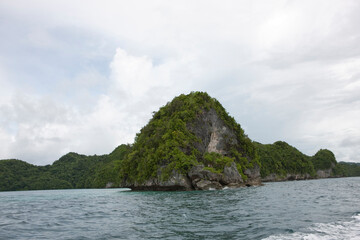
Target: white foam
[357, 217]
[324, 231]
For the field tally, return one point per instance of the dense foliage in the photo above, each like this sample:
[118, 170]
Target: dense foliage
[350, 169]
[323, 159]
[280, 158]
[108, 172]
[166, 142]
[70, 171]
[19, 175]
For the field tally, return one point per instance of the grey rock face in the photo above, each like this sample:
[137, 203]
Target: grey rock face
[325, 173]
[197, 178]
[198, 172]
[175, 182]
[208, 185]
[202, 179]
[215, 135]
[231, 175]
[289, 177]
[253, 175]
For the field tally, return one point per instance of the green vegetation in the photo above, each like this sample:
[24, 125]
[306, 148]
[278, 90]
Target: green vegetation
[70, 171]
[174, 139]
[350, 169]
[280, 158]
[19, 175]
[108, 172]
[323, 159]
[216, 161]
[167, 143]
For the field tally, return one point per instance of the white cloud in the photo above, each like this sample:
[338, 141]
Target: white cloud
[311, 105]
[41, 129]
[138, 87]
[287, 70]
[6, 88]
[306, 31]
[135, 76]
[42, 39]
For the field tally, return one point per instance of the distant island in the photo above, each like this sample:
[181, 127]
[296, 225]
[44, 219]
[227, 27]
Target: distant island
[191, 143]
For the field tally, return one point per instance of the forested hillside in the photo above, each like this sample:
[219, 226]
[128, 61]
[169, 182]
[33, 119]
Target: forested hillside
[70, 171]
[191, 139]
[281, 161]
[350, 169]
[191, 130]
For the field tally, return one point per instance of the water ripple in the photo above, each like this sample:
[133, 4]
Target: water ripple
[286, 210]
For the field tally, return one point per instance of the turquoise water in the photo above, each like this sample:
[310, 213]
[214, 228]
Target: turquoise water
[316, 209]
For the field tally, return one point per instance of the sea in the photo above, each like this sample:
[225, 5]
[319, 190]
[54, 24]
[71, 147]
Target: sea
[312, 209]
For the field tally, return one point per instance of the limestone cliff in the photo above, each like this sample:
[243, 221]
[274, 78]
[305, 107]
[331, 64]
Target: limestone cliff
[191, 144]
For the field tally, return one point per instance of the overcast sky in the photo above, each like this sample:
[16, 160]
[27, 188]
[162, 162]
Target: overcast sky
[85, 76]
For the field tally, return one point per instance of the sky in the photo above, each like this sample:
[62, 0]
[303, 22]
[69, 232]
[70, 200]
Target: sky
[86, 76]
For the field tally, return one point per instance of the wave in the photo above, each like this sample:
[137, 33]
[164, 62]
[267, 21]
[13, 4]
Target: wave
[349, 230]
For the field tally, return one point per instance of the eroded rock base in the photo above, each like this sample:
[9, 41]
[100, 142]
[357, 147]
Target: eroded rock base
[199, 178]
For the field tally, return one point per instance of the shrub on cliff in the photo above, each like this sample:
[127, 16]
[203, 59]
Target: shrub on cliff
[168, 141]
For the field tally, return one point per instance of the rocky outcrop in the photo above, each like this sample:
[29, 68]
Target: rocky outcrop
[198, 178]
[202, 179]
[175, 182]
[214, 134]
[217, 137]
[199, 142]
[288, 177]
[272, 178]
[253, 176]
[325, 173]
[231, 175]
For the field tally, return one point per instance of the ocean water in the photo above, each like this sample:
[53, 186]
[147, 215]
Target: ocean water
[314, 209]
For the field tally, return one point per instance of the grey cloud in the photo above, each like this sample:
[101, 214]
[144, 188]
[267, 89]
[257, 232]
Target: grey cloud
[292, 82]
[350, 142]
[337, 40]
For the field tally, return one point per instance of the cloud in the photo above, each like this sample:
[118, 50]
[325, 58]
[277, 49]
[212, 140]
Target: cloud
[42, 39]
[311, 105]
[136, 76]
[41, 128]
[306, 31]
[139, 87]
[86, 79]
[6, 87]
